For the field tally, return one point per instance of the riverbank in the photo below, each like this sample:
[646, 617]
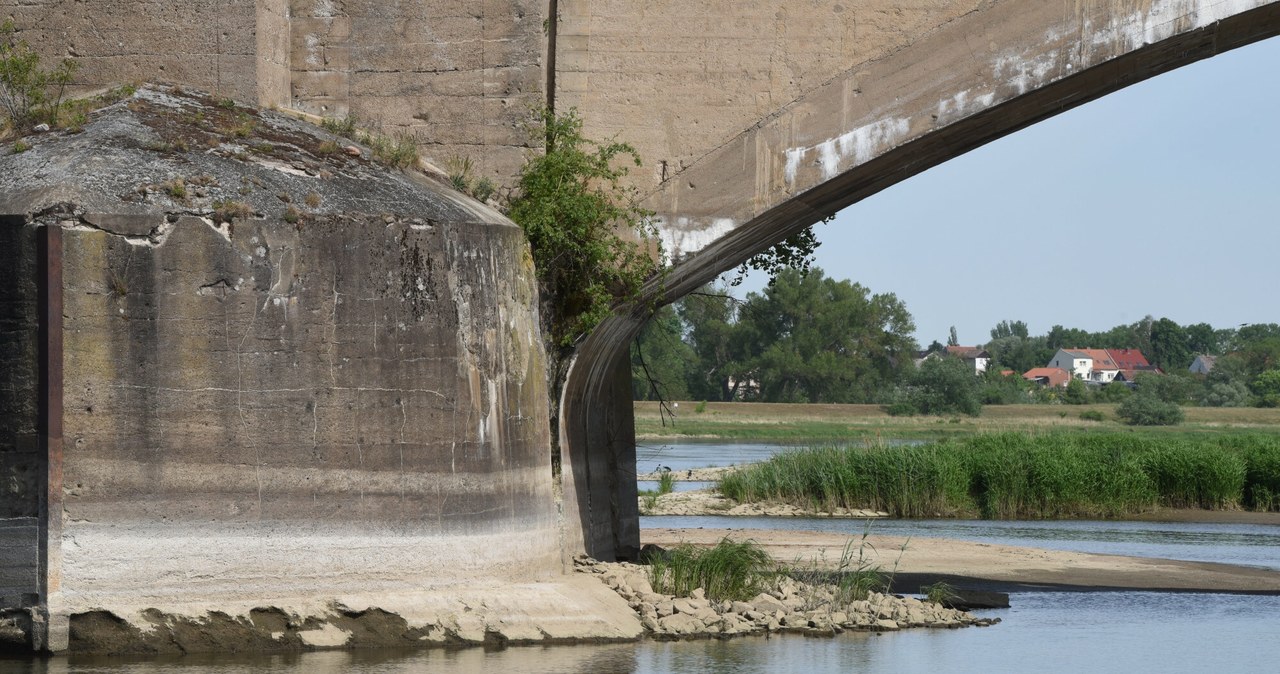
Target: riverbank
[922, 561]
[795, 422]
[790, 606]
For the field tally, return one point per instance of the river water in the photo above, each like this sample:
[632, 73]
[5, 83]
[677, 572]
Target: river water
[1042, 632]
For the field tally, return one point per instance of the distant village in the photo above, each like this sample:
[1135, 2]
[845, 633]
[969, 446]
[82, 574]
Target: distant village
[1091, 366]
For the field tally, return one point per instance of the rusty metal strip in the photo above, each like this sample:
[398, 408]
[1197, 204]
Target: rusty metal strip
[50, 302]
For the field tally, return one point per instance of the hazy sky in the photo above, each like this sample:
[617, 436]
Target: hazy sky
[1162, 199]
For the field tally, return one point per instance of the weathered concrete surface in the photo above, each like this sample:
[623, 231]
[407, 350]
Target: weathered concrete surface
[460, 77]
[230, 47]
[20, 458]
[560, 610]
[679, 78]
[340, 392]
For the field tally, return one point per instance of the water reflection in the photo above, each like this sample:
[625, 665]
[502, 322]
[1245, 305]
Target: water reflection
[688, 454]
[687, 485]
[1043, 632]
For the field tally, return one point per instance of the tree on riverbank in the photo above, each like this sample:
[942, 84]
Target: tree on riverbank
[805, 338]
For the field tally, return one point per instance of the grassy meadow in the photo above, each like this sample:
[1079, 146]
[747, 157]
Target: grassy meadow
[851, 423]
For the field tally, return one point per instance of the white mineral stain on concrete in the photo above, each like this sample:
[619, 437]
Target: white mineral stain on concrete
[851, 148]
[689, 236]
[1166, 18]
[1029, 69]
[1024, 70]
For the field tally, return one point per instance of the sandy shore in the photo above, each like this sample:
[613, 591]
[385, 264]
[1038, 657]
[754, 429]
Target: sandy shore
[921, 561]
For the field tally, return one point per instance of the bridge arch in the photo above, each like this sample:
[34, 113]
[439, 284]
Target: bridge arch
[972, 80]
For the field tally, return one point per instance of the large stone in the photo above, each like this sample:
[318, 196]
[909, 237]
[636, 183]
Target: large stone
[681, 623]
[766, 603]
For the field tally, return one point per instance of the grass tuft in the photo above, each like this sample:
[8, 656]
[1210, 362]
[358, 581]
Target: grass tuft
[729, 571]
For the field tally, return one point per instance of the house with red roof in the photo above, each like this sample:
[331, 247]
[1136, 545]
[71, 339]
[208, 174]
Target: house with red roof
[1101, 366]
[1048, 376]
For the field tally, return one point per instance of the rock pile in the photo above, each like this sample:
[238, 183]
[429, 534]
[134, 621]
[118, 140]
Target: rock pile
[791, 606]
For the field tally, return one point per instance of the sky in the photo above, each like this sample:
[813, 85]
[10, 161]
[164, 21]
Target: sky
[1162, 198]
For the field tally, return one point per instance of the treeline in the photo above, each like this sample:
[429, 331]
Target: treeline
[805, 338]
[1246, 371]
[810, 338]
[1164, 342]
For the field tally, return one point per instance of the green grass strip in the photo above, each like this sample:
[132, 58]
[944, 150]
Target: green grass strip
[1024, 476]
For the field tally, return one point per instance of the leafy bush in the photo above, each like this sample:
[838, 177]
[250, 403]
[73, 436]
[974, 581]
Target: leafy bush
[1267, 386]
[28, 92]
[940, 386]
[1092, 415]
[578, 216]
[1076, 393]
[1225, 394]
[1145, 409]
[1112, 393]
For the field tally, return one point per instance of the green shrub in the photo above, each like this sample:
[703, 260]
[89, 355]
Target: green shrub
[29, 93]
[345, 127]
[900, 409]
[583, 225]
[1092, 415]
[1076, 393]
[1144, 409]
[940, 386]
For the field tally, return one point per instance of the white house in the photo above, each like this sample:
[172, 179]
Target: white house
[975, 356]
[1091, 365]
[1203, 364]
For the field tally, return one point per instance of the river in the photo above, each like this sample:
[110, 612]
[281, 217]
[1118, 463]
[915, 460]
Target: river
[1042, 632]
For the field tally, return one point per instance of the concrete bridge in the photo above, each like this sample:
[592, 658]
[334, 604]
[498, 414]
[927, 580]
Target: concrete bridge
[915, 84]
[755, 119]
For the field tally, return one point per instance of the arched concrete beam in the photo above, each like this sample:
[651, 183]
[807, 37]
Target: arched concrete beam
[970, 82]
[978, 78]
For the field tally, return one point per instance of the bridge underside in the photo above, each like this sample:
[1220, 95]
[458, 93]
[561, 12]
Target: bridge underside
[966, 83]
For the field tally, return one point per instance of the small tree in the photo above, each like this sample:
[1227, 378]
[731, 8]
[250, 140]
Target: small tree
[1145, 409]
[1076, 394]
[591, 240]
[593, 245]
[1267, 386]
[29, 93]
[941, 386]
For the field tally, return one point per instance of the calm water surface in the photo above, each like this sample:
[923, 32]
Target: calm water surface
[1247, 544]
[1043, 632]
